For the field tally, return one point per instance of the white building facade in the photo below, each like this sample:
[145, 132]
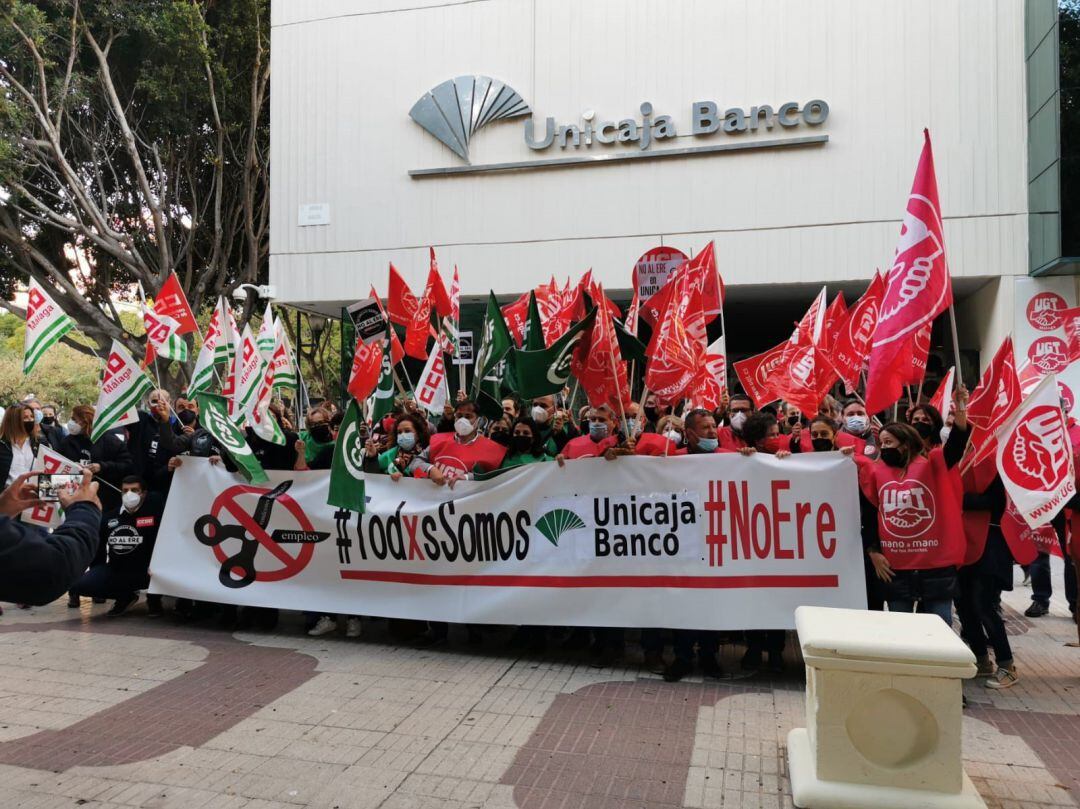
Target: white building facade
[820, 107]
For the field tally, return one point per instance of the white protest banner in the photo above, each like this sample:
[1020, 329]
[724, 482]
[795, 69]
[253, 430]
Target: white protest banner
[707, 542]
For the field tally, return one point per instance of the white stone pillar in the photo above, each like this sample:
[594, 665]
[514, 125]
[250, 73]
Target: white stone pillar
[883, 713]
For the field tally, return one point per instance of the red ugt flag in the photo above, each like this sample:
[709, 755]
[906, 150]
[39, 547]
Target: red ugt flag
[850, 343]
[400, 301]
[674, 353]
[172, 302]
[757, 374]
[397, 352]
[994, 400]
[917, 289]
[597, 362]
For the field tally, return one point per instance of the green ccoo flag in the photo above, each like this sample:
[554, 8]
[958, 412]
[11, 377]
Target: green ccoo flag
[546, 371]
[347, 471]
[382, 398]
[495, 343]
[534, 327]
[214, 416]
[630, 347]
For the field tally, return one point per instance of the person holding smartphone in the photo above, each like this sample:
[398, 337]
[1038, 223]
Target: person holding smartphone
[36, 567]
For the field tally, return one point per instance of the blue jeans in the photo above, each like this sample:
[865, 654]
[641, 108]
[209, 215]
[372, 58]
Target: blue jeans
[941, 607]
[1041, 588]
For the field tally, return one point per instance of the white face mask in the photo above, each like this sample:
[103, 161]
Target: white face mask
[131, 500]
[945, 433]
[738, 420]
[540, 414]
[464, 427]
[674, 436]
[856, 424]
[74, 428]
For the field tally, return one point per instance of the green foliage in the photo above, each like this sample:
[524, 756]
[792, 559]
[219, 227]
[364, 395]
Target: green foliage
[64, 375]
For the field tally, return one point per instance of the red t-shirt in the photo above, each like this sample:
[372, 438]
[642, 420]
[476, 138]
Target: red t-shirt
[728, 439]
[919, 511]
[584, 447]
[456, 459]
[654, 444]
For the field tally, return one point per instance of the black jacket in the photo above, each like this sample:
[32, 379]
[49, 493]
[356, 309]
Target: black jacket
[111, 452]
[37, 567]
[152, 443]
[6, 456]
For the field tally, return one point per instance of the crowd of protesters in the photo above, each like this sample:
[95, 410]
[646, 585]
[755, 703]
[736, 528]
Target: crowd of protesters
[134, 465]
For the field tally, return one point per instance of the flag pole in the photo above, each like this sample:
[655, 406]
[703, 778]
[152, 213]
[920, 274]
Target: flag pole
[955, 344]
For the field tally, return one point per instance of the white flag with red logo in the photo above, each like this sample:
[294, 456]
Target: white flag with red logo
[47, 514]
[247, 372]
[917, 289]
[46, 324]
[1034, 456]
[713, 381]
[162, 334]
[994, 400]
[943, 398]
[122, 386]
[431, 386]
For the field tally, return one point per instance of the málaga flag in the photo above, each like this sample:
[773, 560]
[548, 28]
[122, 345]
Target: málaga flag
[46, 323]
[203, 374]
[265, 339]
[123, 385]
[347, 471]
[214, 416]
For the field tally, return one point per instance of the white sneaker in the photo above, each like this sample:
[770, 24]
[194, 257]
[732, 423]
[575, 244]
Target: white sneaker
[352, 627]
[325, 626]
[1003, 678]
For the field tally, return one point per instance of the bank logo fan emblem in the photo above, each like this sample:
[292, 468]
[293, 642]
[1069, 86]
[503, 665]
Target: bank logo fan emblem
[457, 108]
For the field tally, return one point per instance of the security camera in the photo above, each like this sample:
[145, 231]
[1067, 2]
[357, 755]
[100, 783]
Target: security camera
[241, 293]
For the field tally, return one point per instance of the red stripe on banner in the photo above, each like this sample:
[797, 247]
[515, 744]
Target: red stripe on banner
[684, 582]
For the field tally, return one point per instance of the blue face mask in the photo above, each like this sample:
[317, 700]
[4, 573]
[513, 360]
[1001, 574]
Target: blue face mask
[708, 444]
[598, 430]
[406, 441]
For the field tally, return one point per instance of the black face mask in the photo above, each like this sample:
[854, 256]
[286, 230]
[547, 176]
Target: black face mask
[48, 421]
[28, 426]
[320, 433]
[651, 414]
[585, 427]
[521, 443]
[892, 456]
[187, 417]
[822, 444]
[792, 420]
[501, 437]
[924, 430]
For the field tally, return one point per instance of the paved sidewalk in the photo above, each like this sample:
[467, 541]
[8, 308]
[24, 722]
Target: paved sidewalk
[105, 713]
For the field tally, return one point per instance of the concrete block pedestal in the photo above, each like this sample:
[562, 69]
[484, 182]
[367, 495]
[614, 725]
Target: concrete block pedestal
[883, 713]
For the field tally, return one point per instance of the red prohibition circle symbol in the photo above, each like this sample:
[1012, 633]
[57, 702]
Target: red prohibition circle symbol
[290, 565]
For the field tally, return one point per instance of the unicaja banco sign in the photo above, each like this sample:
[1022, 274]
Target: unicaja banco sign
[454, 111]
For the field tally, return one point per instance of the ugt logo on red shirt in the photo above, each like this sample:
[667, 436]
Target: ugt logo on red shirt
[907, 508]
